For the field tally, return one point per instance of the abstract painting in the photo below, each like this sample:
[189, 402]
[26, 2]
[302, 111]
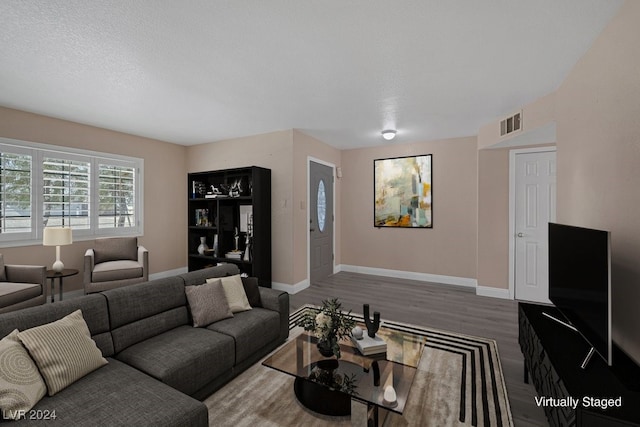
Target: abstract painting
[403, 192]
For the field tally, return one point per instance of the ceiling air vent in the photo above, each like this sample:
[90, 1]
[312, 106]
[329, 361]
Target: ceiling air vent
[511, 124]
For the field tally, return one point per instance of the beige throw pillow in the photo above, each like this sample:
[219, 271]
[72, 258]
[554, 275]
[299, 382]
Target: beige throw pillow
[63, 351]
[234, 291]
[21, 385]
[208, 303]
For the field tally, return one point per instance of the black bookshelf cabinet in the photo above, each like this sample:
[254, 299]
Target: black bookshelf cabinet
[552, 357]
[218, 204]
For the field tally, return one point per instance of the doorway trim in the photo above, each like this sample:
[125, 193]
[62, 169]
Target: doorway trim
[512, 210]
[333, 214]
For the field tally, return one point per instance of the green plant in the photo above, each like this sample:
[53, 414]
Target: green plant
[329, 324]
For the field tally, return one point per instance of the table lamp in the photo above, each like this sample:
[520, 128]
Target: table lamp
[57, 236]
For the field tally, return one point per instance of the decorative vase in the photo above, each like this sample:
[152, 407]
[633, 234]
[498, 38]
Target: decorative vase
[325, 348]
[203, 245]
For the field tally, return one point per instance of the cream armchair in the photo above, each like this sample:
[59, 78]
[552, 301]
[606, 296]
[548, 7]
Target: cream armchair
[113, 263]
[21, 286]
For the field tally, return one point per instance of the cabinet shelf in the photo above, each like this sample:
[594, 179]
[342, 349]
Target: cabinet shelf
[247, 215]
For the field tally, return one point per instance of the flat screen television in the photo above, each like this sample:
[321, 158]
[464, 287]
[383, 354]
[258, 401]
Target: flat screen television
[580, 283]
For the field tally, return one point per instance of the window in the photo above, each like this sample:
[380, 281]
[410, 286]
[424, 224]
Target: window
[41, 185]
[15, 193]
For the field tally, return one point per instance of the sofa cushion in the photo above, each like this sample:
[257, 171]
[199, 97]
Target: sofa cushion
[251, 330]
[185, 358]
[94, 312]
[115, 248]
[63, 351]
[13, 293]
[120, 395]
[207, 303]
[116, 270]
[21, 385]
[234, 291]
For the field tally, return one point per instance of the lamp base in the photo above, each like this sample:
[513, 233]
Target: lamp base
[58, 266]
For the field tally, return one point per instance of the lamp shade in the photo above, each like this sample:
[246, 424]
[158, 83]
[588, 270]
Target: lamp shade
[57, 236]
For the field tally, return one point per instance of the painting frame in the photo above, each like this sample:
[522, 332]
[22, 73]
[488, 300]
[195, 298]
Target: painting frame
[403, 192]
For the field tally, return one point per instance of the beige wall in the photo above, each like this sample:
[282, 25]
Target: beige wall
[165, 182]
[273, 151]
[598, 109]
[305, 146]
[449, 248]
[493, 218]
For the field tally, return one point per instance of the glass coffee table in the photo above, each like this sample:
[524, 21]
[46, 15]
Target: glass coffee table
[355, 384]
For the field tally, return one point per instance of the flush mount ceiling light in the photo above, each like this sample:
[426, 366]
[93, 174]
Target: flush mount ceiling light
[388, 134]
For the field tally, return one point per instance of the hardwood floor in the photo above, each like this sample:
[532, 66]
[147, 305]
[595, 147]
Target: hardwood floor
[439, 306]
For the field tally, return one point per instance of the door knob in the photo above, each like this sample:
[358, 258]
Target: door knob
[520, 234]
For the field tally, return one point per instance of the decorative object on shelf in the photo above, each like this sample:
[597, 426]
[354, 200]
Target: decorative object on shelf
[198, 189]
[236, 236]
[248, 247]
[372, 325]
[202, 217]
[403, 192]
[57, 236]
[330, 324]
[215, 245]
[203, 245]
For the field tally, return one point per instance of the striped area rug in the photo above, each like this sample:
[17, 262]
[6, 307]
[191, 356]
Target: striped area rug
[459, 383]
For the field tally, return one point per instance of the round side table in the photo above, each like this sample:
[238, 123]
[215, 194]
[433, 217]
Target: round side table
[53, 275]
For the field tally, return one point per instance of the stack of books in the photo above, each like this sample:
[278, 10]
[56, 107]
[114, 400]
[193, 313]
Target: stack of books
[234, 255]
[368, 346]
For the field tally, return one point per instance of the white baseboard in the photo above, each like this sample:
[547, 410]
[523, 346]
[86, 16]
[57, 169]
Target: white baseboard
[290, 289]
[411, 275]
[488, 291]
[168, 273]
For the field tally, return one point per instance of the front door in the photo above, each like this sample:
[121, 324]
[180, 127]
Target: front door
[535, 207]
[320, 221]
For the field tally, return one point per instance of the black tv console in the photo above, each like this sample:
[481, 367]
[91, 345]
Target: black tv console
[552, 356]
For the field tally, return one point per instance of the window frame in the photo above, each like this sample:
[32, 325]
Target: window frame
[38, 152]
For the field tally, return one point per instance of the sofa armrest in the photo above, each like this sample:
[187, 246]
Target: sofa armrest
[277, 301]
[143, 258]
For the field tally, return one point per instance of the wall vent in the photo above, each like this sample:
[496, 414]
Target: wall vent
[511, 124]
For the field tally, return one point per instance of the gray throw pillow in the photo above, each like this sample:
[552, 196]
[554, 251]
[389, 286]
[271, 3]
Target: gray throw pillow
[208, 303]
[63, 351]
[21, 385]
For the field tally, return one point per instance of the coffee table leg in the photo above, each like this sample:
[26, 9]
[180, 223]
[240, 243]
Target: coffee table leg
[52, 288]
[60, 289]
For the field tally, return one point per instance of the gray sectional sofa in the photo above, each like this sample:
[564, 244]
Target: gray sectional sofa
[160, 366]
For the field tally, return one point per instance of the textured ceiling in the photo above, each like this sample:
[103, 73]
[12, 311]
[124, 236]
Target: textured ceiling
[200, 71]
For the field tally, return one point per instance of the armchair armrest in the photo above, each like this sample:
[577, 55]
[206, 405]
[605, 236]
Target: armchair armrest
[143, 258]
[26, 274]
[277, 301]
[89, 257]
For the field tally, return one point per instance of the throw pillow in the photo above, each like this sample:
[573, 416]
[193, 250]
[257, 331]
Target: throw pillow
[63, 351]
[208, 303]
[253, 292]
[115, 249]
[21, 385]
[234, 291]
